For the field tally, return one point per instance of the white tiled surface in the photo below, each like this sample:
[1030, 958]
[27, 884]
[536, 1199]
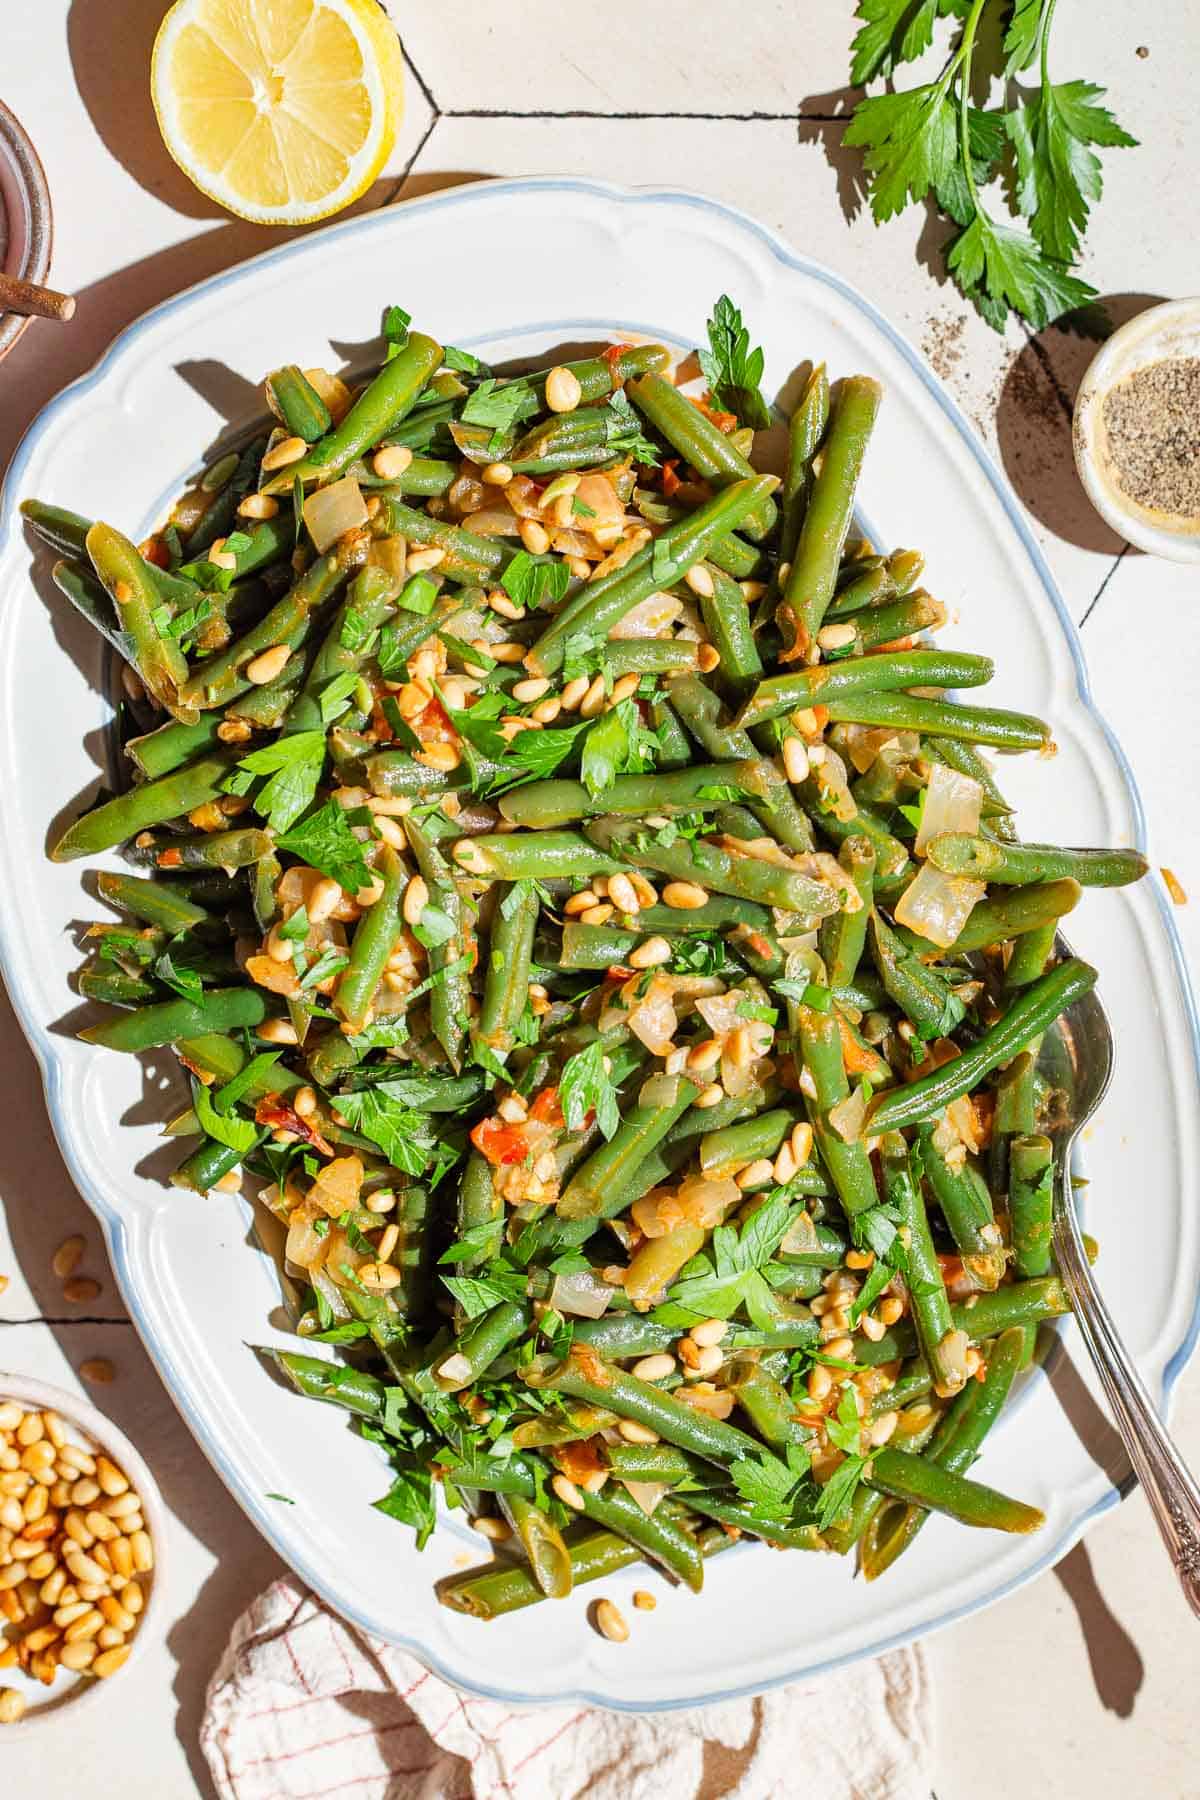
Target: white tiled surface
[1085, 1682]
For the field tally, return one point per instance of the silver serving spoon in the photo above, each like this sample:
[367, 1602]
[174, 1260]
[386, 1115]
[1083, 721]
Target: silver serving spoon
[1080, 1058]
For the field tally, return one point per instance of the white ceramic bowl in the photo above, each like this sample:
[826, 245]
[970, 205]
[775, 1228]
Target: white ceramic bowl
[1169, 330]
[87, 1426]
[649, 264]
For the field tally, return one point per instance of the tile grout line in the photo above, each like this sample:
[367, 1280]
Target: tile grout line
[421, 82]
[1121, 555]
[43, 1319]
[769, 118]
[410, 164]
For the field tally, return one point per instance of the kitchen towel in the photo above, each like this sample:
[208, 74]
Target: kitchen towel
[305, 1707]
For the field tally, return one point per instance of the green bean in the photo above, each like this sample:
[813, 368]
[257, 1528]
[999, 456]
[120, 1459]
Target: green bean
[1031, 1013]
[705, 447]
[547, 804]
[774, 805]
[892, 624]
[826, 521]
[608, 1168]
[113, 987]
[1031, 1204]
[220, 513]
[727, 622]
[977, 724]
[221, 1009]
[383, 403]
[292, 397]
[535, 856]
[1000, 917]
[1016, 1303]
[316, 1379]
[708, 866]
[656, 1535]
[943, 1348]
[651, 656]
[825, 684]
[375, 937]
[173, 744]
[954, 1446]
[893, 867]
[234, 849]
[923, 995]
[650, 1462]
[723, 1152]
[583, 1376]
[843, 936]
[746, 1519]
[1032, 951]
[600, 604]
[87, 595]
[222, 678]
[506, 983]
[204, 1168]
[154, 901]
[1018, 865]
[448, 999]
[818, 1046]
[505, 1588]
[674, 750]
[966, 1205]
[125, 576]
[806, 428]
[718, 911]
[568, 1425]
[479, 1345]
[368, 604]
[541, 1540]
[921, 1483]
[767, 1404]
[479, 1204]
[481, 556]
[142, 807]
[702, 713]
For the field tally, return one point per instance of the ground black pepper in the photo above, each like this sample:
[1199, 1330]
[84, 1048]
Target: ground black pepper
[1153, 424]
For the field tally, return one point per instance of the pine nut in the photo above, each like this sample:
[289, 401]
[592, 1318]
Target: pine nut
[890, 1310]
[97, 1369]
[801, 1142]
[277, 1031]
[234, 731]
[108, 1637]
[289, 450]
[708, 1360]
[563, 392]
[795, 759]
[30, 1430]
[258, 506]
[712, 1331]
[624, 688]
[871, 1327]
[498, 1530]
[112, 1660]
[77, 1530]
[12, 1706]
[836, 637]
[12, 1575]
[650, 954]
[579, 566]
[101, 1527]
[83, 1568]
[592, 703]
[74, 1456]
[655, 1367]
[841, 1349]
[121, 1556]
[264, 668]
[416, 899]
[882, 1428]
[708, 658]
[67, 1257]
[684, 896]
[785, 1164]
[820, 1382]
[623, 895]
[115, 1614]
[497, 474]
[132, 1598]
[547, 711]
[610, 1621]
[579, 903]
[755, 1174]
[11, 1415]
[78, 1657]
[709, 1096]
[567, 1492]
[533, 689]
[112, 1480]
[67, 1615]
[427, 558]
[644, 1601]
[633, 1433]
[700, 581]
[390, 462]
[573, 693]
[859, 1259]
[326, 897]
[86, 1627]
[535, 537]
[143, 1552]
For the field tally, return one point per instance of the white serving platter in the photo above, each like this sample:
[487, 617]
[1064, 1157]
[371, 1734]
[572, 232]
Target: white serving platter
[513, 269]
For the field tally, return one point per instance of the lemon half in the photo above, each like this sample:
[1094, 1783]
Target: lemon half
[282, 110]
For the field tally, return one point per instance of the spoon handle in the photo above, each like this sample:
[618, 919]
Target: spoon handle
[1166, 1481]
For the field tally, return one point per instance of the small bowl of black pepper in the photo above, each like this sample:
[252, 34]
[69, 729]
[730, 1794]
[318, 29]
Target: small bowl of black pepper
[1137, 431]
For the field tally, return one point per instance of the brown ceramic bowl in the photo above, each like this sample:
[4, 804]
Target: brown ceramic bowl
[26, 228]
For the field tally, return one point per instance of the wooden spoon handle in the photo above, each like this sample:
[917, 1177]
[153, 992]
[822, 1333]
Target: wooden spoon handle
[35, 302]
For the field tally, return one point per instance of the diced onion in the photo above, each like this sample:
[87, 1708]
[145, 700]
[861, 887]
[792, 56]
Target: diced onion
[646, 1493]
[830, 774]
[952, 803]
[660, 1091]
[800, 1237]
[650, 618]
[705, 1199]
[937, 906]
[304, 1248]
[847, 1117]
[597, 493]
[494, 521]
[334, 510]
[333, 391]
[720, 1011]
[337, 1186]
[389, 554]
[965, 1120]
[653, 1020]
[582, 1294]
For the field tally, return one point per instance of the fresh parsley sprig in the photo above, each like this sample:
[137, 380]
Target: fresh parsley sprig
[930, 142]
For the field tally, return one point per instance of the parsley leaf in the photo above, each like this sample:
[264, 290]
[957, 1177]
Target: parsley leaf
[911, 144]
[839, 1490]
[335, 697]
[462, 361]
[294, 765]
[877, 1279]
[410, 1499]
[236, 1134]
[395, 329]
[624, 432]
[533, 583]
[176, 974]
[478, 1294]
[716, 1289]
[585, 1086]
[893, 31]
[734, 371]
[769, 1484]
[495, 404]
[617, 744]
[1058, 177]
[325, 841]
[999, 267]
[1021, 38]
[403, 1135]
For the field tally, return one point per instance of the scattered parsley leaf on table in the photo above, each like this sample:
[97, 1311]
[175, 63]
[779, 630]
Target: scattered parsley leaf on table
[1057, 173]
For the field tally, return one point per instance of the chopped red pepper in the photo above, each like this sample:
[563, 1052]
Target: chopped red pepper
[612, 357]
[275, 1113]
[547, 1109]
[670, 480]
[499, 1142]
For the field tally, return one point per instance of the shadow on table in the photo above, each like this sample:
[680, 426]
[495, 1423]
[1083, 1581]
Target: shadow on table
[38, 1195]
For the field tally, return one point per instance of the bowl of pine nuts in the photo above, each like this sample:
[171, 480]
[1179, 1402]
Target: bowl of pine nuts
[82, 1528]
